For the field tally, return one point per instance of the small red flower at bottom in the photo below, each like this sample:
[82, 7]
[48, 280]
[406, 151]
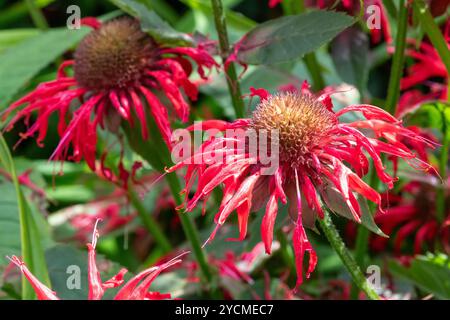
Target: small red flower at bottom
[319, 158]
[412, 215]
[135, 289]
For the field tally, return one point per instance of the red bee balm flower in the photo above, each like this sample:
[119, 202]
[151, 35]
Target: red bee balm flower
[427, 66]
[116, 67]
[135, 289]
[412, 214]
[318, 157]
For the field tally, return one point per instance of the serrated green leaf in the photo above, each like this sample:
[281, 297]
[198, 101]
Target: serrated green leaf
[291, 37]
[20, 63]
[151, 23]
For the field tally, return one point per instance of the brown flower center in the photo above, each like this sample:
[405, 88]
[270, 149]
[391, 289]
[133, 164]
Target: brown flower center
[113, 56]
[302, 123]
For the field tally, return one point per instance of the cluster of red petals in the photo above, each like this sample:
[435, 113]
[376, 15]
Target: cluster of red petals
[137, 288]
[411, 214]
[334, 174]
[274, 3]
[428, 65]
[232, 266]
[235, 267]
[78, 129]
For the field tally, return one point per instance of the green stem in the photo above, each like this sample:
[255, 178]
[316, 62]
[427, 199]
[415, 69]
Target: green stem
[363, 234]
[313, 67]
[435, 35]
[398, 60]
[443, 159]
[190, 229]
[338, 245]
[36, 15]
[157, 154]
[232, 80]
[390, 8]
[30, 238]
[433, 32]
[149, 222]
[362, 238]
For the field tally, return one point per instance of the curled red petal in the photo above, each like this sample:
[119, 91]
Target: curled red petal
[41, 290]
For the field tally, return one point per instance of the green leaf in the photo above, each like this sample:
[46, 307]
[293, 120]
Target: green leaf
[20, 63]
[335, 202]
[435, 115]
[66, 262]
[9, 223]
[291, 37]
[349, 51]
[151, 23]
[367, 218]
[59, 259]
[30, 228]
[11, 37]
[431, 273]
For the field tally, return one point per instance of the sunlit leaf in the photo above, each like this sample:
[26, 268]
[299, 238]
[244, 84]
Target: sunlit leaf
[434, 115]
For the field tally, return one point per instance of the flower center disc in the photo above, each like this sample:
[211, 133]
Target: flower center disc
[113, 56]
[302, 123]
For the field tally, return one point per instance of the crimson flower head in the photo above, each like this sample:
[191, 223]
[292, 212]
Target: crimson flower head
[134, 289]
[412, 215]
[427, 67]
[428, 64]
[321, 158]
[117, 72]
